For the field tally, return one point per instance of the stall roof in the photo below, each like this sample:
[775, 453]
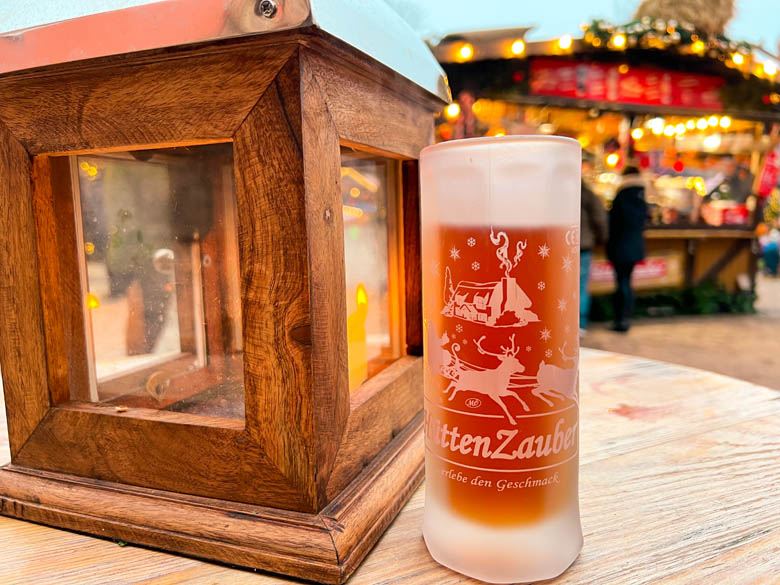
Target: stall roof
[370, 26]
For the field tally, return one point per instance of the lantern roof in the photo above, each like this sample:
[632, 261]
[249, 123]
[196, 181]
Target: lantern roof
[370, 26]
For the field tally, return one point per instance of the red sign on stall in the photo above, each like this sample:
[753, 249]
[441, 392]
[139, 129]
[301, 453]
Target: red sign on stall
[660, 270]
[637, 85]
[767, 180]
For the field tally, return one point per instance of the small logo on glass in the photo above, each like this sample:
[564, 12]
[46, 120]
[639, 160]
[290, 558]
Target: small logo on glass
[473, 403]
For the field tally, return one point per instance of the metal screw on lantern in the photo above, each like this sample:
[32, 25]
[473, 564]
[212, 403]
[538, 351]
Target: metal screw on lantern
[266, 8]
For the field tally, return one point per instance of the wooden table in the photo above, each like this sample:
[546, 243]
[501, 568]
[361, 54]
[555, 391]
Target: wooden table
[680, 483]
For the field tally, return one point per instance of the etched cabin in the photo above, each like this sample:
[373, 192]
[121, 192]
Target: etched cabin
[501, 303]
[209, 248]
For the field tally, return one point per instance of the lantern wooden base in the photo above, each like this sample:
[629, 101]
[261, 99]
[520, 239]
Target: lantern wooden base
[326, 547]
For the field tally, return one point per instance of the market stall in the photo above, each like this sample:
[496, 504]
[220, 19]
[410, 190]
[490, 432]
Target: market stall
[696, 113]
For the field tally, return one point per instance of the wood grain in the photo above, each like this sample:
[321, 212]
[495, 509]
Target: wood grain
[380, 408]
[175, 452]
[22, 341]
[344, 56]
[361, 512]
[327, 281]
[275, 281]
[410, 186]
[287, 101]
[202, 97]
[650, 403]
[365, 113]
[61, 292]
[696, 504]
[326, 547]
[189, 457]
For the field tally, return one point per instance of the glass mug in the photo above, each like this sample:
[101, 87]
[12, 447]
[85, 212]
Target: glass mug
[500, 249]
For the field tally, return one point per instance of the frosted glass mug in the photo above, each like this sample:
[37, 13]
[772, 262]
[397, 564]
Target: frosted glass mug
[500, 247]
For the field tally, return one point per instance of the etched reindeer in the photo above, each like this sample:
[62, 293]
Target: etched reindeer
[492, 383]
[436, 356]
[557, 382]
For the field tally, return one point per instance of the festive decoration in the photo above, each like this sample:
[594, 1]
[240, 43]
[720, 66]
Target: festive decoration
[666, 35]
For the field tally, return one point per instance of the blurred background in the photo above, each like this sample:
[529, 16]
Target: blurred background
[687, 91]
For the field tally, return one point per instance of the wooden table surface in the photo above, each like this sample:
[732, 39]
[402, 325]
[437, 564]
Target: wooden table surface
[680, 483]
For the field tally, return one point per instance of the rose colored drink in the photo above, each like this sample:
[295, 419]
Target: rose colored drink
[501, 311]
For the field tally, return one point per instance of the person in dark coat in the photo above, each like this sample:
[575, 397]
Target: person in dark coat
[593, 231]
[626, 243]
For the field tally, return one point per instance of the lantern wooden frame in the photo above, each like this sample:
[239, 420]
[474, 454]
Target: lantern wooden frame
[306, 484]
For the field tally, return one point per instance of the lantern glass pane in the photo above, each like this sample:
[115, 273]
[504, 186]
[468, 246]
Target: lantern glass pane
[159, 266]
[369, 190]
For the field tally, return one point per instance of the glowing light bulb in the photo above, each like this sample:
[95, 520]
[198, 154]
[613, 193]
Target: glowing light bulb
[565, 42]
[698, 47]
[701, 123]
[619, 40]
[738, 58]
[518, 47]
[770, 69]
[465, 52]
[690, 124]
[452, 111]
[669, 130]
[637, 133]
[713, 120]
[656, 125]
[680, 128]
[92, 301]
[725, 122]
[612, 159]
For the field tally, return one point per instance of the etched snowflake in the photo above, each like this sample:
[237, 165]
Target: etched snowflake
[459, 328]
[541, 285]
[454, 253]
[464, 341]
[545, 334]
[544, 250]
[567, 264]
[561, 305]
[471, 242]
[548, 353]
[527, 348]
[475, 265]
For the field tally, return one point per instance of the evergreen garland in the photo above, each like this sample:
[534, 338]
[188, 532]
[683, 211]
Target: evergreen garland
[649, 33]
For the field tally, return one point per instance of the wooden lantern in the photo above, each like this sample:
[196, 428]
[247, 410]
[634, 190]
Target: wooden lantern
[189, 362]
